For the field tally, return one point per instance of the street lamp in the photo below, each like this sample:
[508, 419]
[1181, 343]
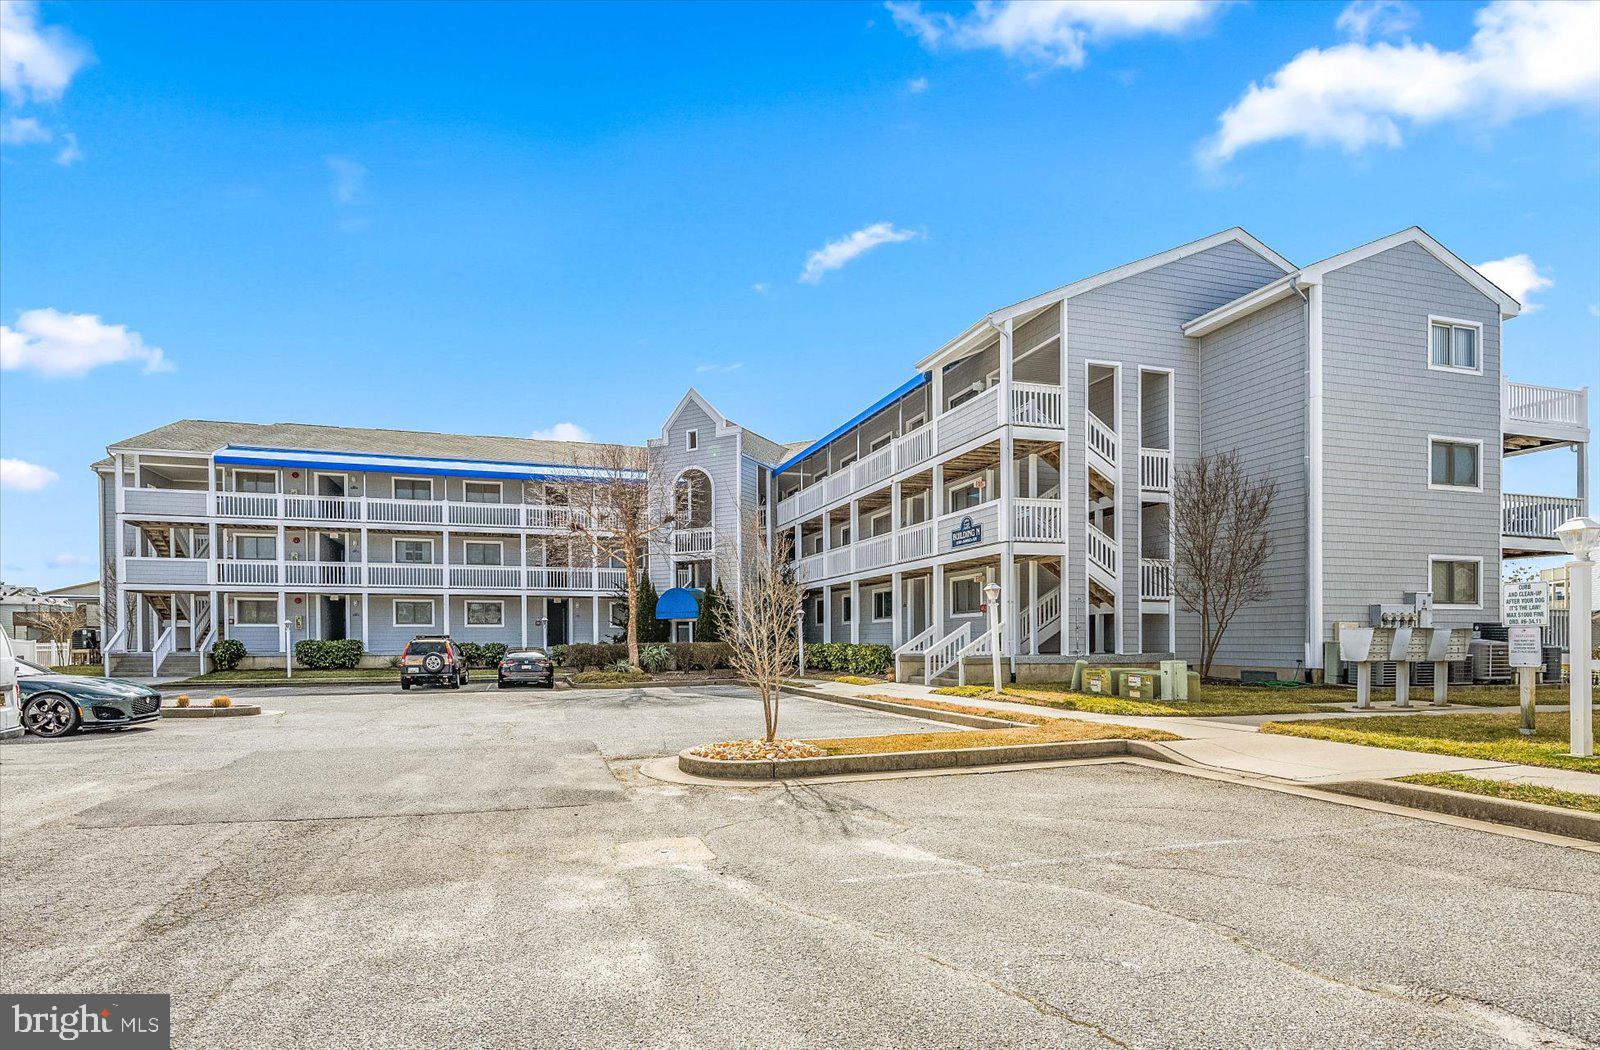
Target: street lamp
[800, 634]
[1580, 536]
[991, 594]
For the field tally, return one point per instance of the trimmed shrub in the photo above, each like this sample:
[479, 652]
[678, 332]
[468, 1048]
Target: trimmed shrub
[589, 656]
[558, 655]
[702, 656]
[655, 658]
[227, 654]
[482, 655]
[845, 657]
[328, 656]
[608, 677]
[221, 701]
[183, 700]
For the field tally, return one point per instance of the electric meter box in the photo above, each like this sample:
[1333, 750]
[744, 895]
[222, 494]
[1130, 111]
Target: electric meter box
[1140, 685]
[1174, 680]
[1098, 680]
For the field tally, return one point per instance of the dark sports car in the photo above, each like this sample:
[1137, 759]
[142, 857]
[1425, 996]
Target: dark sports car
[57, 704]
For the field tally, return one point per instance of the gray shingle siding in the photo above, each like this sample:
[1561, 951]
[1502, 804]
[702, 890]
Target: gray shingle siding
[1253, 401]
[1135, 323]
[1381, 401]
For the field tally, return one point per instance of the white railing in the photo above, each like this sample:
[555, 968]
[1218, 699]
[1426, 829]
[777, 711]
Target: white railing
[248, 505]
[691, 541]
[1531, 403]
[904, 452]
[1102, 550]
[968, 420]
[1155, 469]
[871, 553]
[1045, 611]
[914, 541]
[940, 655]
[874, 468]
[838, 562]
[233, 570]
[1102, 439]
[405, 511]
[563, 578]
[1155, 579]
[401, 575]
[165, 501]
[165, 643]
[811, 567]
[911, 647]
[118, 642]
[1037, 520]
[498, 515]
[323, 573]
[1536, 517]
[982, 645]
[1036, 405]
[913, 447]
[322, 508]
[496, 576]
[557, 519]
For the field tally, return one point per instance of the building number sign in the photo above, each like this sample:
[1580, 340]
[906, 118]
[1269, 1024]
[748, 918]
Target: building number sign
[966, 534]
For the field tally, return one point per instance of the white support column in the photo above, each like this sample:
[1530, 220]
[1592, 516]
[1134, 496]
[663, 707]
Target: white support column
[119, 490]
[1313, 478]
[1007, 368]
[936, 404]
[138, 623]
[937, 621]
[524, 598]
[594, 618]
[1033, 606]
[855, 611]
[936, 497]
[896, 517]
[444, 560]
[1007, 478]
[896, 620]
[283, 615]
[366, 618]
[544, 628]
[1010, 607]
[1582, 449]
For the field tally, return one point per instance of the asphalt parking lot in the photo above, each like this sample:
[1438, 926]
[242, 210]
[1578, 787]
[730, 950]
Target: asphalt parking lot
[481, 869]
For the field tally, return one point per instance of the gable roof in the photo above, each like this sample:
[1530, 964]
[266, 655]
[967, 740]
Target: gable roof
[1291, 283]
[1234, 234]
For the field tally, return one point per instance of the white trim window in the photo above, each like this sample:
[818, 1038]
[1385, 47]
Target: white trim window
[966, 595]
[691, 440]
[1455, 463]
[1457, 581]
[818, 612]
[413, 551]
[484, 552]
[262, 481]
[1455, 346]
[255, 546]
[882, 605]
[845, 610]
[617, 614]
[482, 613]
[413, 612]
[482, 492]
[255, 612]
[413, 488]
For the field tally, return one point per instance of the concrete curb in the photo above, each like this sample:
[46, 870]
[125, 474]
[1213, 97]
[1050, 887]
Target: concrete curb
[902, 761]
[931, 714]
[1572, 823]
[208, 711]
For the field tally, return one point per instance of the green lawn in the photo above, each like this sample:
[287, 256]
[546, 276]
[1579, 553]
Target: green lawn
[1217, 699]
[1490, 736]
[354, 674]
[1542, 796]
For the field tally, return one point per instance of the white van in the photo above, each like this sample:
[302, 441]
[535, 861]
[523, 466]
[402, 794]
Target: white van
[10, 695]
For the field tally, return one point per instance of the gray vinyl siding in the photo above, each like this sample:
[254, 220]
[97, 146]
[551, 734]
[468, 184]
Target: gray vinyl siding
[1253, 402]
[1381, 401]
[1136, 323]
[718, 455]
[384, 636]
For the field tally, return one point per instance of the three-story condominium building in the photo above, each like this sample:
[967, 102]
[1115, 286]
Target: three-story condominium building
[1037, 449]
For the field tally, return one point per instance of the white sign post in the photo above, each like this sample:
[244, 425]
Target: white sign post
[1526, 604]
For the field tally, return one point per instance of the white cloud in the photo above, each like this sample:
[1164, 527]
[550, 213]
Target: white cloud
[562, 432]
[349, 178]
[835, 254]
[24, 476]
[36, 61]
[55, 344]
[704, 368]
[23, 131]
[1048, 32]
[69, 153]
[917, 85]
[1594, 309]
[1527, 55]
[67, 561]
[1518, 277]
[760, 287]
[1363, 19]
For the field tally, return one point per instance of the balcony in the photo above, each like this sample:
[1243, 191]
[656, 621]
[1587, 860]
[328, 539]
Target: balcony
[1528, 523]
[1032, 405]
[1155, 580]
[190, 573]
[1155, 471]
[1533, 416]
[692, 541]
[347, 510]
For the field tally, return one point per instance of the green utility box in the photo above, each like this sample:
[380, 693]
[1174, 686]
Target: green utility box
[1174, 680]
[1194, 685]
[1139, 684]
[1099, 681]
[1077, 675]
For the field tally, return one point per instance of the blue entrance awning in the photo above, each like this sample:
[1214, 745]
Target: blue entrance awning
[679, 603]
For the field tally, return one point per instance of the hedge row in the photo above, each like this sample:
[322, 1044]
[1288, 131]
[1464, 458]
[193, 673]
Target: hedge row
[327, 656]
[659, 656]
[876, 660]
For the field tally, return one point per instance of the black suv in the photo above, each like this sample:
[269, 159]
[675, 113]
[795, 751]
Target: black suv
[432, 660]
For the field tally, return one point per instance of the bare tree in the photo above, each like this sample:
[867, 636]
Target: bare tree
[621, 506]
[1221, 542]
[760, 621]
[55, 622]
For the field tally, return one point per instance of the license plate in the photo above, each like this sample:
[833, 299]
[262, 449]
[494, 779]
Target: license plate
[525, 667]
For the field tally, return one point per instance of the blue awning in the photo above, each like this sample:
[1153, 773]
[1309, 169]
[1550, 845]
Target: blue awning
[679, 603]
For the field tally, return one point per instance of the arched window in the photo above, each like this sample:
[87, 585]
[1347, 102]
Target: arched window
[694, 500]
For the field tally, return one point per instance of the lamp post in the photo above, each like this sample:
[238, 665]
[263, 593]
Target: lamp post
[991, 594]
[800, 634]
[1580, 536]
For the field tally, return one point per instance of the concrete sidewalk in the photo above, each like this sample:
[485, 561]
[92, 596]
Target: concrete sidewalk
[1235, 744]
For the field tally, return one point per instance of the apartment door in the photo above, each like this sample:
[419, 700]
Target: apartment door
[333, 613]
[556, 609]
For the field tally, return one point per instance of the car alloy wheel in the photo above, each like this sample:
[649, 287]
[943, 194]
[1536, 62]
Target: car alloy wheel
[433, 663]
[50, 716]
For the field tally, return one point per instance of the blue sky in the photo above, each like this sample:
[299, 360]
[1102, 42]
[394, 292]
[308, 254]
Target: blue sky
[503, 218]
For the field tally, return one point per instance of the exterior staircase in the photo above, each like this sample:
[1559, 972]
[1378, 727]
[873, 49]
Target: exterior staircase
[137, 665]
